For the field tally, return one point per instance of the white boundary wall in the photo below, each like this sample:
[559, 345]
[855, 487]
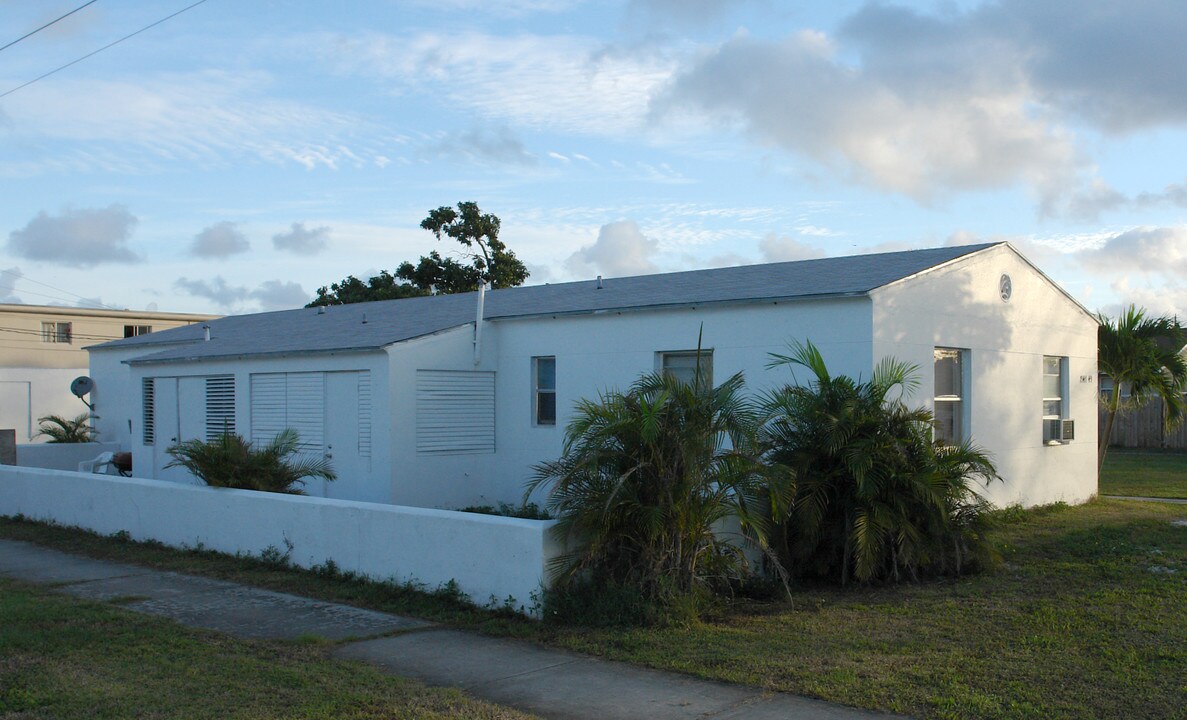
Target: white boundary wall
[485, 555]
[61, 456]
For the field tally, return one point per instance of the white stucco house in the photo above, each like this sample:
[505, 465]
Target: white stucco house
[419, 403]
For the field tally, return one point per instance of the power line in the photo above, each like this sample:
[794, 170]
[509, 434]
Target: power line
[22, 276]
[96, 52]
[30, 34]
[80, 336]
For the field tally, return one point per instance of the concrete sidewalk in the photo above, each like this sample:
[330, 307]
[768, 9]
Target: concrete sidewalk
[1139, 498]
[548, 683]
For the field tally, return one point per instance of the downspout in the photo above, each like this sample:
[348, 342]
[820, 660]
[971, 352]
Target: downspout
[478, 325]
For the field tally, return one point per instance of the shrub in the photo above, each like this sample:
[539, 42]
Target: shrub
[230, 461]
[645, 478]
[874, 496]
[66, 430]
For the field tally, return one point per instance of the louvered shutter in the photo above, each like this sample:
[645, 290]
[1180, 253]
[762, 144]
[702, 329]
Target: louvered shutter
[455, 411]
[306, 409]
[267, 407]
[148, 411]
[220, 406]
[365, 413]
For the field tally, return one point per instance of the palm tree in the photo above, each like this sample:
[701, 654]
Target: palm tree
[646, 477]
[1129, 352]
[230, 461]
[875, 497]
[63, 430]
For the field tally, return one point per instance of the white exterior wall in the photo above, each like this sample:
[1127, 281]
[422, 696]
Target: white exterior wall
[959, 306]
[115, 397]
[119, 406]
[438, 480]
[594, 353]
[28, 393]
[487, 556]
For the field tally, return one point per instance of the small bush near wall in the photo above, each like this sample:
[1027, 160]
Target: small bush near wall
[231, 461]
[875, 497]
[646, 481]
[66, 430]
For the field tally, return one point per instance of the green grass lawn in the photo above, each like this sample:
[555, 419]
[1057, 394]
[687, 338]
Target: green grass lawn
[1086, 619]
[66, 658]
[1144, 473]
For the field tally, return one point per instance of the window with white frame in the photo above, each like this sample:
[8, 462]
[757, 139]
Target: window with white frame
[136, 330]
[682, 364]
[1054, 398]
[544, 390]
[57, 332]
[950, 394]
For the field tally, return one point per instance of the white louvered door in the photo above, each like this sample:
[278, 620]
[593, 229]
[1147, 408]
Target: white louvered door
[331, 412]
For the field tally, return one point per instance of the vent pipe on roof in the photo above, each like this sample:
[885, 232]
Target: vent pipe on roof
[206, 333]
[321, 309]
[364, 318]
[599, 282]
[478, 325]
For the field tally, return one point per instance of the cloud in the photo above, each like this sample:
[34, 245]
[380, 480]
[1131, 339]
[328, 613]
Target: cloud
[1089, 202]
[218, 291]
[280, 295]
[209, 119]
[302, 241]
[1147, 250]
[931, 102]
[776, 248]
[8, 278]
[1112, 65]
[552, 83]
[620, 250]
[941, 125]
[219, 241]
[682, 12]
[270, 295]
[1172, 194]
[1166, 299]
[82, 238]
[490, 145]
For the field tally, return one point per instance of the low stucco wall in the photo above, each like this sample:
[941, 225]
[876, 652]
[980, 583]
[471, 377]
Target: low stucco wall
[60, 456]
[487, 556]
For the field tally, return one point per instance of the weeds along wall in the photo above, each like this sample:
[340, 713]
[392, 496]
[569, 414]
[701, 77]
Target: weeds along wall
[489, 557]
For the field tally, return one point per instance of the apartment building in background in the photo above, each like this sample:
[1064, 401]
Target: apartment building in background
[43, 348]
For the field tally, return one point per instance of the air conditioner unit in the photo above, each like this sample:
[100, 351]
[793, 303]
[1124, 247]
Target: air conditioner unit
[1067, 430]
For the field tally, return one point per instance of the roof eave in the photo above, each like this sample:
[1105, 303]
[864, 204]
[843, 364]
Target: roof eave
[252, 356]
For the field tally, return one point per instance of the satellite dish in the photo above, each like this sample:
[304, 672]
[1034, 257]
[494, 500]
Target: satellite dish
[82, 385]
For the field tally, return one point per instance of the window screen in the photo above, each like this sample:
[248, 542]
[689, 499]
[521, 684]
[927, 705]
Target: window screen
[949, 395]
[1053, 398]
[683, 364]
[544, 390]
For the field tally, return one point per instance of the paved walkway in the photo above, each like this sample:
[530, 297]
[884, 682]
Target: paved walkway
[548, 683]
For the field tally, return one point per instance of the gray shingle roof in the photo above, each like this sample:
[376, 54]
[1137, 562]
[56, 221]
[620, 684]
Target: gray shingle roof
[342, 327]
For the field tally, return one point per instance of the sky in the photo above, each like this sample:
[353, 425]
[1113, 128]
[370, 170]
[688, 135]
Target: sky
[239, 155]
